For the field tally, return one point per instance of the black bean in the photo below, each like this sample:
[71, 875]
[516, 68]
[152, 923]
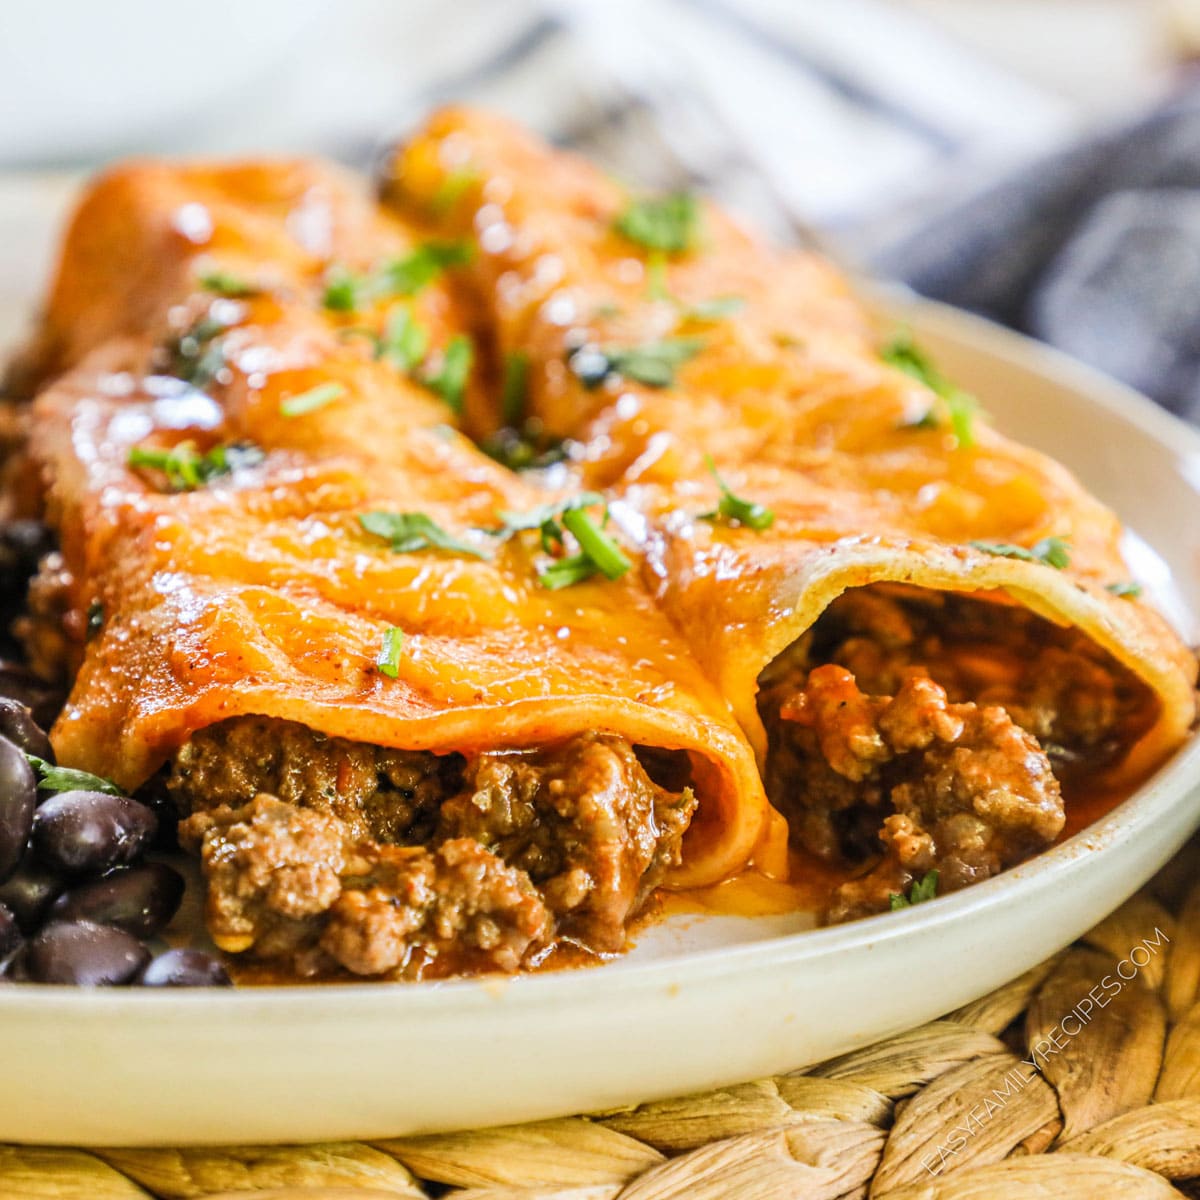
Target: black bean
[28, 893]
[141, 900]
[10, 933]
[153, 795]
[87, 833]
[18, 800]
[17, 724]
[84, 954]
[19, 683]
[184, 968]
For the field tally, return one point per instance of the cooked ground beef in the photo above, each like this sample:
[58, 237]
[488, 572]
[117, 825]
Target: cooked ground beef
[326, 852]
[585, 822]
[912, 731]
[949, 787]
[295, 884]
[380, 794]
[1083, 706]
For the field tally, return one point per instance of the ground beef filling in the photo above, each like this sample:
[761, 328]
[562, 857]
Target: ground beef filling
[913, 731]
[331, 854]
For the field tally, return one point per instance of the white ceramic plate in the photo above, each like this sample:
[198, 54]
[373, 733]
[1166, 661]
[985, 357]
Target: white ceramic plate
[700, 1001]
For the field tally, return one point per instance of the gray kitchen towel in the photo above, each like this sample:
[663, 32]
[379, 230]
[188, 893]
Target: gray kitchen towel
[1094, 249]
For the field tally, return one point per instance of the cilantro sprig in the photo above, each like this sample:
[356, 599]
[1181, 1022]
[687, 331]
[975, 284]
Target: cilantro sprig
[411, 531]
[905, 355]
[922, 889]
[1052, 551]
[187, 469]
[735, 509]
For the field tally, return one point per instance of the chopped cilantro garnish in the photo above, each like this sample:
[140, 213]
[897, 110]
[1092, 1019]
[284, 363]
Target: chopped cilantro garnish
[1124, 587]
[566, 572]
[716, 309]
[225, 283]
[734, 508]
[347, 292]
[546, 517]
[417, 270]
[411, 531]
[311, 400]
[651, 363]
[597, 551]
[595, 544]
[656, 277]
[921, 890]
[670, 224]
[1053, 551]
[526, 448]
[187, 469]
[450, 380]
[404, 341]
[904, 354]
[515, 391]
[343, 290]
[53, 778]
[197, 356]
[388, 661]
[452, 189]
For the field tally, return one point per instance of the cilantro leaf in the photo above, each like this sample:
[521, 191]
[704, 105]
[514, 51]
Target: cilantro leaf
[187, 469]
[417, 270]
[1053, 551]
[716, 309]
[1124, 587]
[226, 283]
[905, 355]
[450, 380]
[404, 341]
[343, 290]
[734, 508]
[516, 388]
[922, 889]
[597, 551]
[452, 189]
[411, 531]
[197, 356]
[594, 544]
[670, 224]
[388, 661]
[651, 363]
[53, 778]
[566, 572]
[311, 400]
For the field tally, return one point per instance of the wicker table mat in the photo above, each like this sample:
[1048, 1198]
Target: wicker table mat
[952, 1109]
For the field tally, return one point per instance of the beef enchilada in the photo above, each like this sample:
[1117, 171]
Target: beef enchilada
[464, 567]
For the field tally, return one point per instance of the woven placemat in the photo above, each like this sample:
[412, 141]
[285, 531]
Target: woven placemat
[1081, 1078]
